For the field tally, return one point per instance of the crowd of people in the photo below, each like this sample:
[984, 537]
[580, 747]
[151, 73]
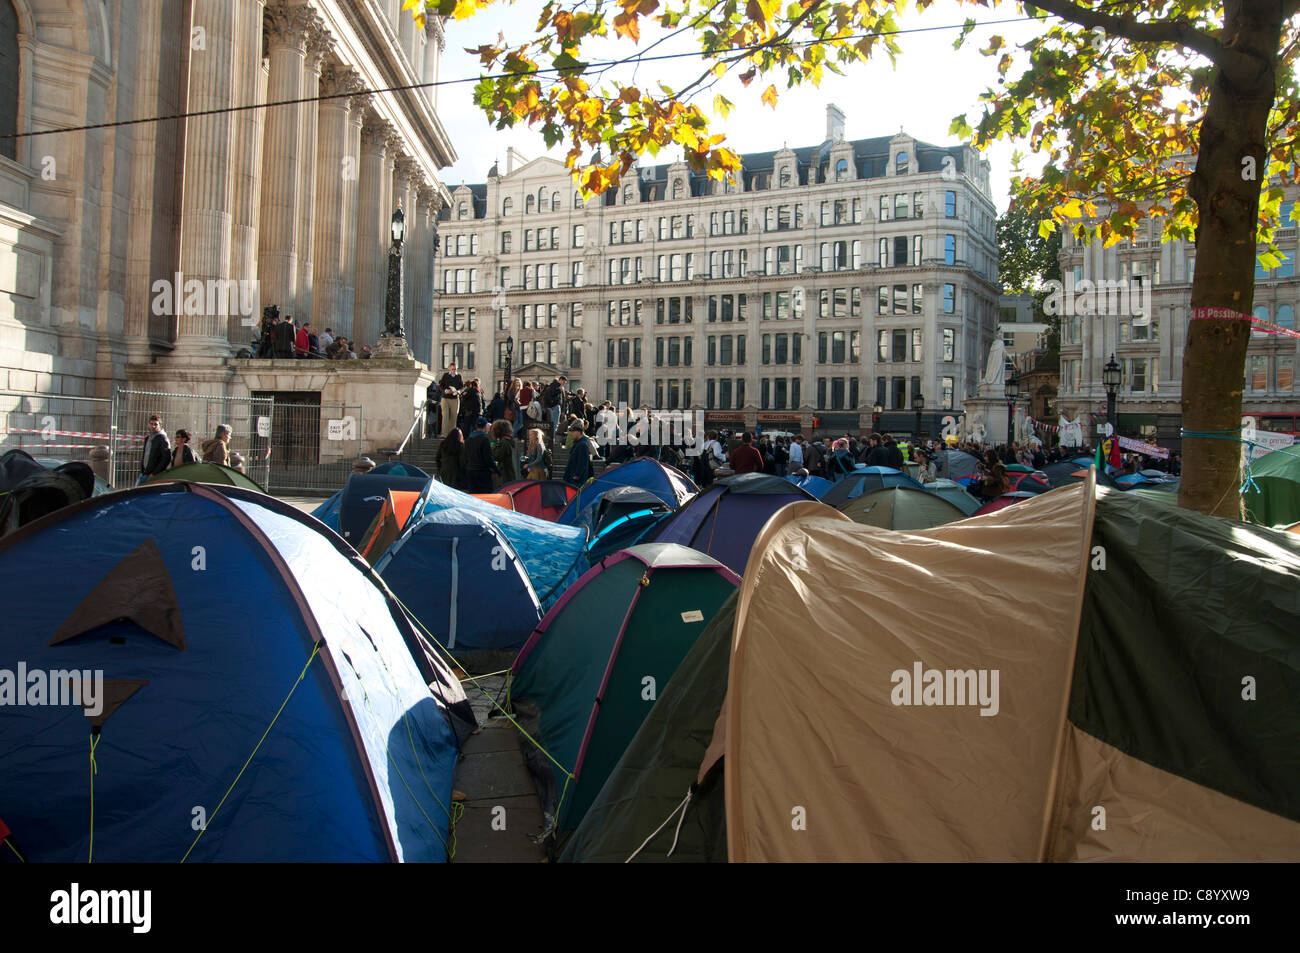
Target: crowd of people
[159, 454]
[281, 338]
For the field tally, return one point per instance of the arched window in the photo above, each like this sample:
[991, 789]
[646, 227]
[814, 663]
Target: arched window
[577, 199]
[1285, 316]
[677, 188]
[1261, 314]
[900, 164]
[541, 199]
[507, 205]
[785, 176]
[555, 201]
[841, 170]
[463, 210]
[8, 79]
[530, 205]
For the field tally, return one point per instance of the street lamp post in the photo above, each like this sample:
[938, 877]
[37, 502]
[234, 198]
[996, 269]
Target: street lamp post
[876, 410]
[393, 341]
[1110, 377]
[510, 356]
[1013, 391]
[918, 402]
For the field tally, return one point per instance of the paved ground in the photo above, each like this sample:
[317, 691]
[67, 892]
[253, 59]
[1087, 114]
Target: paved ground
[304, 503]
[501, 805]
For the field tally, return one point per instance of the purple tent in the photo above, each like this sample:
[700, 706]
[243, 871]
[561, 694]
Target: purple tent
[724, 520]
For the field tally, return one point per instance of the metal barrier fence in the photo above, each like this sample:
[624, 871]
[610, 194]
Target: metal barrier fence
[249, 418]
[57, 429]
[313, 445]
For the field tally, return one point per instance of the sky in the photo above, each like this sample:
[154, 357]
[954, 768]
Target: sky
[931, 84]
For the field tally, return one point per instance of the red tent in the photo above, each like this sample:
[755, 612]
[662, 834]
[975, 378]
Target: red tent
[1003, 501]
[544, 499]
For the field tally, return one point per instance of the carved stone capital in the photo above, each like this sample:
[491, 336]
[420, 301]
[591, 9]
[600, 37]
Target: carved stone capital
[339, 80]
[287, 23]
[375, 131]
[319, 43]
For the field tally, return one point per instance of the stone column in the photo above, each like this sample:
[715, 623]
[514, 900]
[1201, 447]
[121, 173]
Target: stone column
[406, 35]
[432, 53]
[319, 42]
[206, 201]
[332, 170]
[373, 184]
[404, 182]
[422, 278]
[287, 25]
[351, 179]
[246, 169]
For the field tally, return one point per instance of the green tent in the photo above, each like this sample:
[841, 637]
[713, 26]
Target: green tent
[662, 764]
[593, 668]
[1277, 501]
[955, 494]
[901, 508]
[213, 473]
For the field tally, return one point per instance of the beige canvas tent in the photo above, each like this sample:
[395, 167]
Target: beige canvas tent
[1015, 693]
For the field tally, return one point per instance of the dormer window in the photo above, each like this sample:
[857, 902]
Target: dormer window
[462, 210]
[678, 188]
[842, 170]
[900, 164]
[627, 195]
[785, 177]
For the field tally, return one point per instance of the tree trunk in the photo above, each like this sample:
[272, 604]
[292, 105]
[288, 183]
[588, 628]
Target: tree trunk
[1227, 198]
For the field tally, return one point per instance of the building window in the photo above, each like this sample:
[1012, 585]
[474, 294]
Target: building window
[1285, 373]
[530, 204]
[950, 249]
[918, 245]
[949, 344]
[899, 354]
[1257, 379]
[949, 299]
[900, 164]
[916, 345]
[918, 299]
[949, 204]
[882, 299]
[946, 386]
[900, 299]
[507, 205]
[842, 170]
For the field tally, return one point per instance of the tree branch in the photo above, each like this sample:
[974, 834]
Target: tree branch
[1158, 31]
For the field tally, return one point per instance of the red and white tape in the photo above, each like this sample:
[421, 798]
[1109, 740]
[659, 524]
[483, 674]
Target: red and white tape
[75, 433]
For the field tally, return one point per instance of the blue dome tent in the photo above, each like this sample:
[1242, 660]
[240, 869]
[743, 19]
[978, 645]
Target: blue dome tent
[248, 665]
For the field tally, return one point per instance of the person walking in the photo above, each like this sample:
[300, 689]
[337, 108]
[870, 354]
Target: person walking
[537, 461]
[450, 460]
[505, 451]
[555, 401]
[745, 459]
[183, 452]
[216, 449]
[302, 340]
[156, 454]
[578, 470]
[479, 465]
[450, 385]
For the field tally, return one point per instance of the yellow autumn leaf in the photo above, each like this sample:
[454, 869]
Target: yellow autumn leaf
[769, 96]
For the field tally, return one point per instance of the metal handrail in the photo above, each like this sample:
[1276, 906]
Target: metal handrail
[419, 416]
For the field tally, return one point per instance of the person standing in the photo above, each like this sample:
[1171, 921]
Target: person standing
[326, 339]
[217, 448]
[471, 405]
[156, 454]
[284, 336]
[796, 453]
[450, 385]
[578, 470]
[893, 455]
[302, 340]
[745, 459]
[536, 462]
[450, 460]
[782, 455]
[431, 409]
[925, 472]
[479, 465]
[183, 453]
[555, 402]
[505, 451]
[514, 411]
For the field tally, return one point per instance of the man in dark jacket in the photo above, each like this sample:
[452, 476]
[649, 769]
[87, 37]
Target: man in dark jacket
[578, 470]
[892, 453]
[877, 455]
[156, 455]
[479, 464]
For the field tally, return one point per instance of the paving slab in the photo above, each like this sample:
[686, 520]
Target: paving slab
[497, 830]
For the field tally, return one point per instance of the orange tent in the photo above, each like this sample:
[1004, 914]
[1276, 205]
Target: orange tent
[500, 499]
[387, 524]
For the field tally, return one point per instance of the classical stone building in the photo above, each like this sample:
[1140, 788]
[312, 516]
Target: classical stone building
[1149, 347]
[820, 280]
[104, 230]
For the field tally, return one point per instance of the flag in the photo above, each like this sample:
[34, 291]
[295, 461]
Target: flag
[1097, 462]
[1115, 460]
